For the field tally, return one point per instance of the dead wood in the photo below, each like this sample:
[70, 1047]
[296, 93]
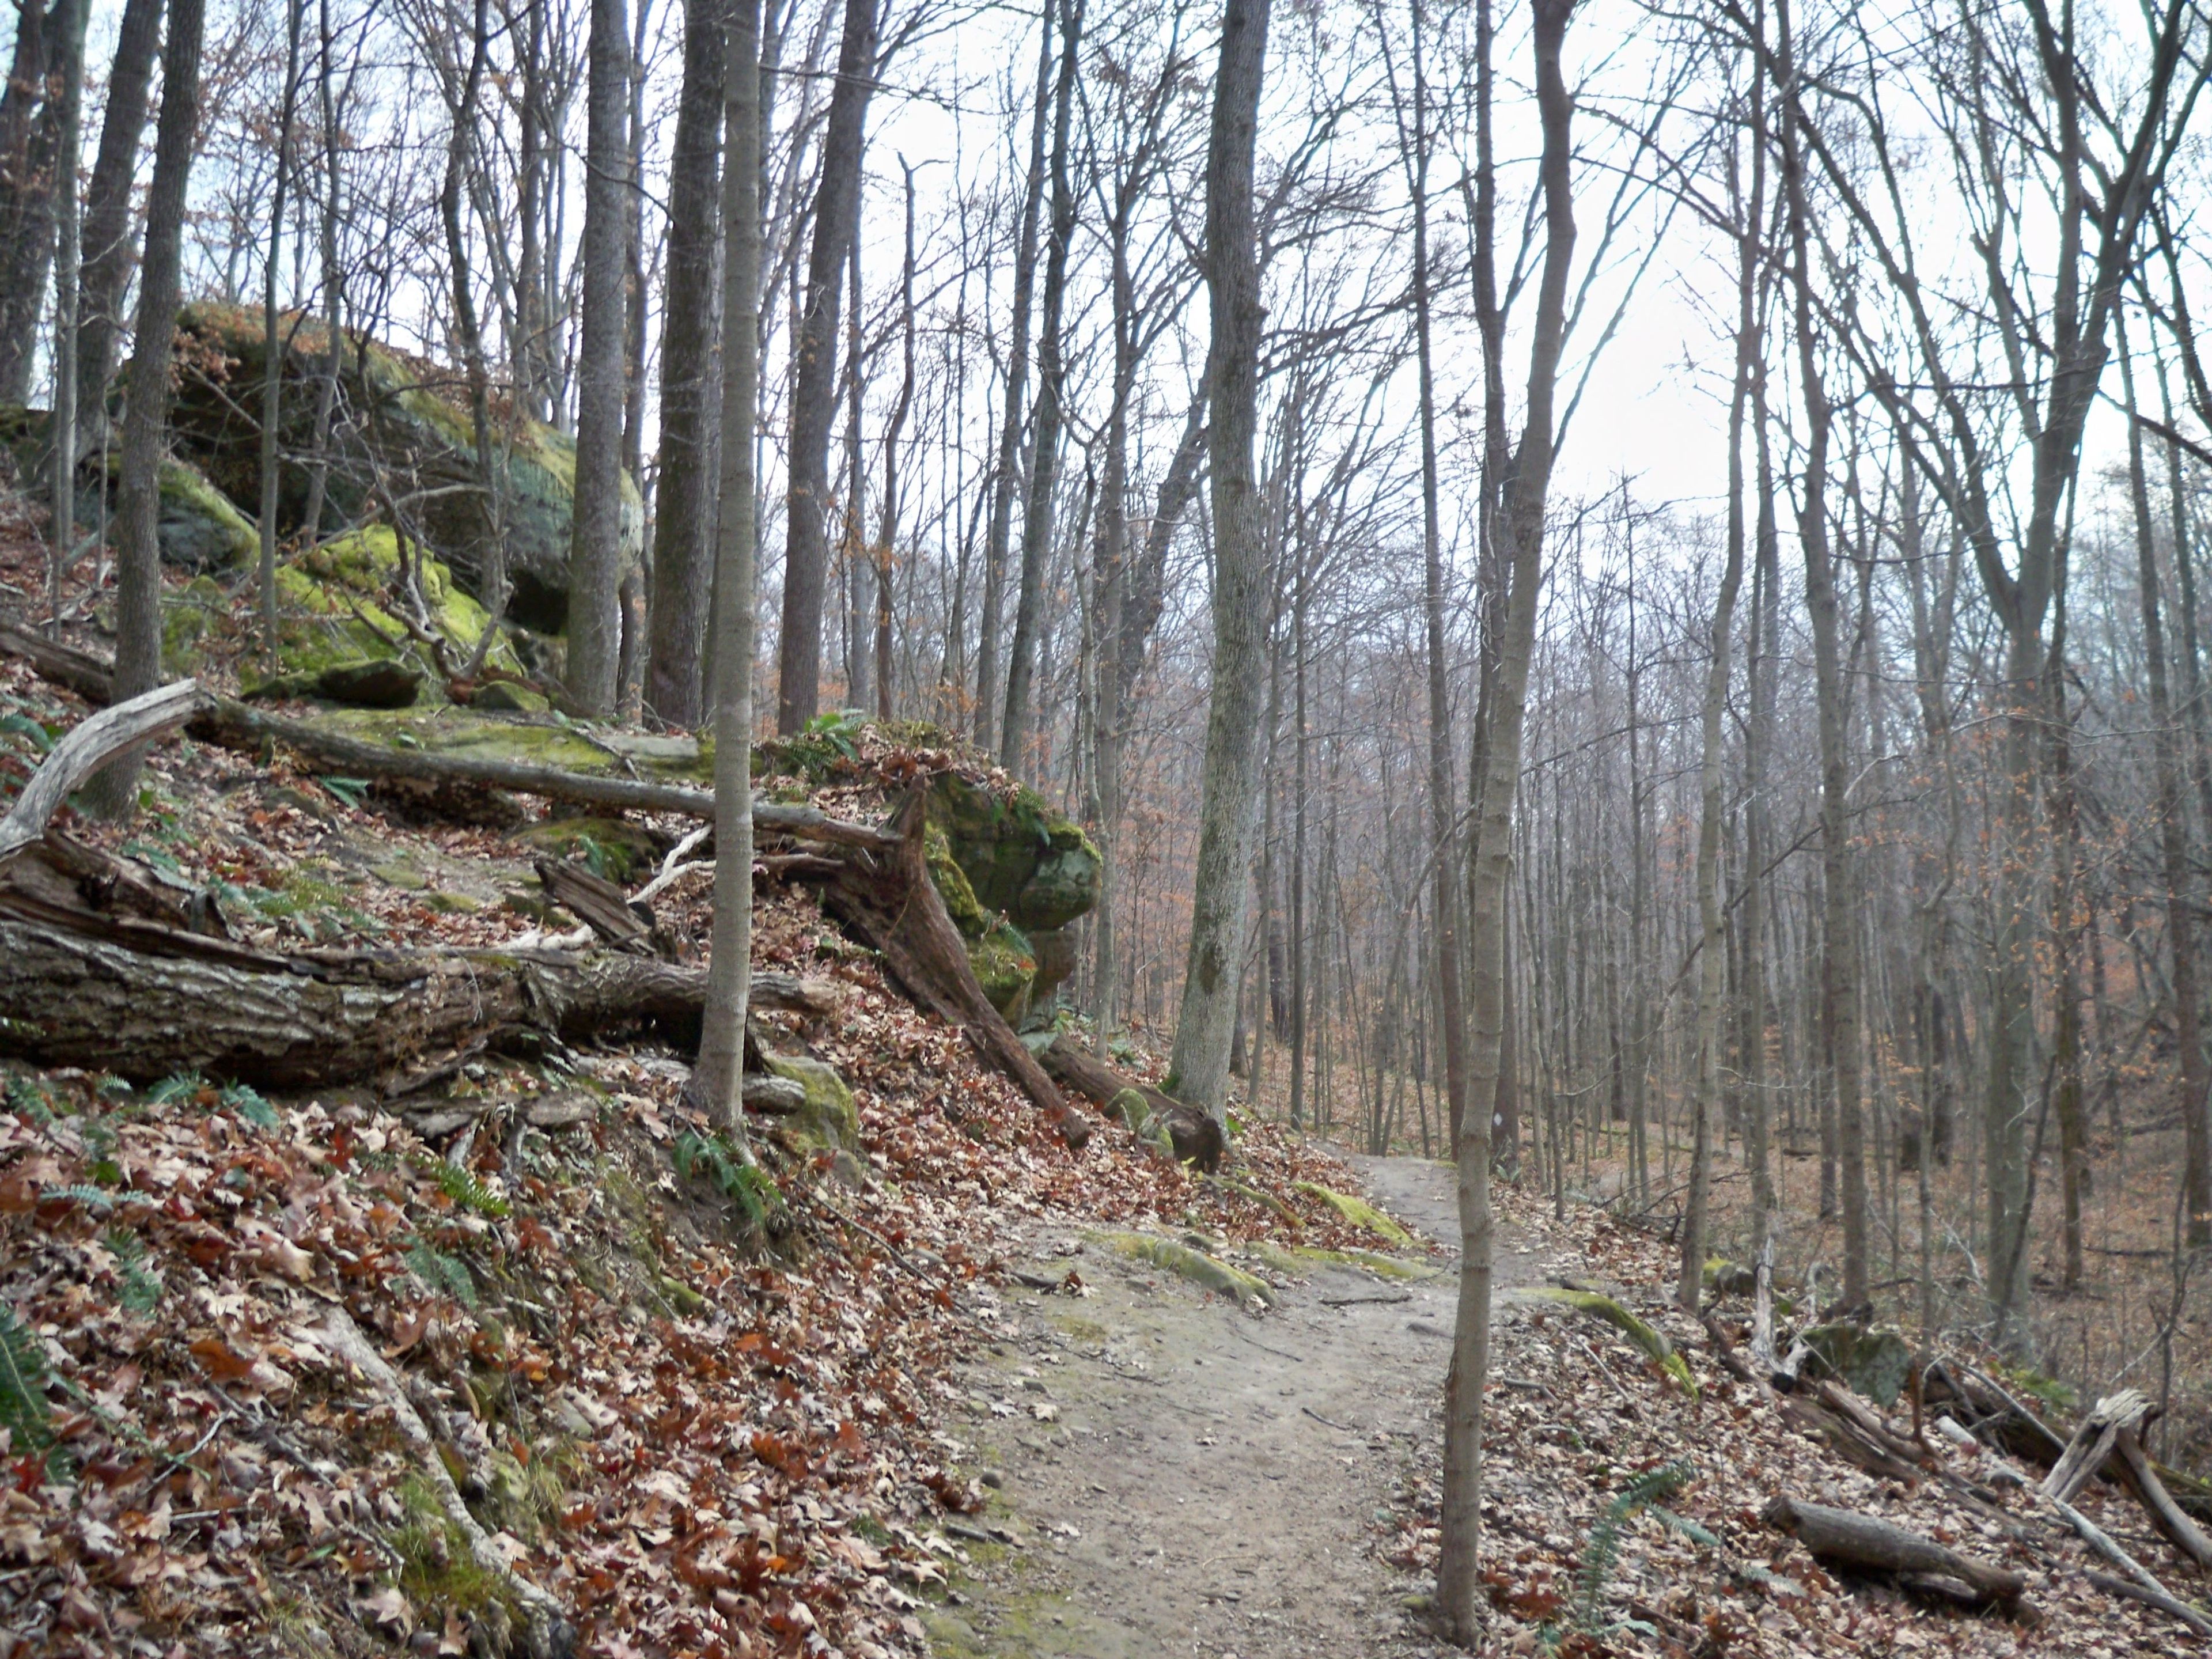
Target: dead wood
[90, 746]
[2159, 1599]
[2179, 1530]
[2092, 1443]
[883, 894]
[597, 903]
[1195, 1133]
[1851, 1540]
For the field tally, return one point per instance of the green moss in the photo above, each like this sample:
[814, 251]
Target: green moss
[197, 527]
[1875, 1363]
[189, 618]
[1358, 1211]
[952, 884]
[1021, 858]
[1196, 1266]
[436, 1566]
[1005, 968]
[829, 1119]
[1652, 1341]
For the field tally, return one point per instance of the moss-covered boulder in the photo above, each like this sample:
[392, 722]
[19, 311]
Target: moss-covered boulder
[1874, 1361]
[828, 1119]
[1017, 860]
[398, 417]
[198, 528]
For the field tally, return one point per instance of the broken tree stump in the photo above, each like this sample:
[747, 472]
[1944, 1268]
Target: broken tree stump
[1850, 1540]
[2092, 1443]
[1195, 1135]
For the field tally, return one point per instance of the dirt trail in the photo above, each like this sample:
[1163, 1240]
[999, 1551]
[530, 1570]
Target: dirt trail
[1200, 1480]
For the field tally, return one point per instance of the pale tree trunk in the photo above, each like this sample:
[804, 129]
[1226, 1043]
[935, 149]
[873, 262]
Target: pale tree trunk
[1198, 1071]
[493, 576]
[886, 558]
[1443, 833]
[69, 35]
[29, 139]
[719, 1076]
[595, 545]
[1712, 937]
[272, 347]
[108, 250]
[814, 379]
[1006, 472]
[1523, 498]
[2182, 907]
[684, 505]
[138, 561]
[1044, 442]
[326, 388]
[1839, 964]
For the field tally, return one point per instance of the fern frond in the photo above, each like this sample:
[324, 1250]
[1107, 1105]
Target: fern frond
[463, 1186]
[248, 1103]
[438, 1272]
[730, 1172]
[182, 1086]
[140, 1291]
[1602, 1554]
[23, 1409]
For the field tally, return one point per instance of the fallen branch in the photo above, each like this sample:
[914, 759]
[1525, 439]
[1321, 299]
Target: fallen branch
[2183, 1534]
[2151, 1598]
[548, 1633]
[1853, 1540]
[90, 746]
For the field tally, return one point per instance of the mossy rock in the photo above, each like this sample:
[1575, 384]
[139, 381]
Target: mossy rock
[198, 528]
[1007, 970]
[1135, 1111]
[1207, 1272]
[199, 609]
[1874, 1361]
[616, 848]
[1023, 861]
[528, 740]
[829, 1119]
[1357, 1210]
[397, 414]
[952, 884]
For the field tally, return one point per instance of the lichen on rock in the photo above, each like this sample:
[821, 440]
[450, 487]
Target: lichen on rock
[829, 1119]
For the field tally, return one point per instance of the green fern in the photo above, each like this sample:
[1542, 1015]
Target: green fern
[464, 1189]
[29, 1099]
[184, 1085]
[441, 1273]
[23, 1409]
[141, 1289]
[1602, 1554]
[713, 1159]
[249, 1104]
[98, 1199]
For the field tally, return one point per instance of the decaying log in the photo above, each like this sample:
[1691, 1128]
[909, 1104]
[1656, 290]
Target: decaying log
[884, 896]
[88, 676]
[548, 1633]
[597, 903]
[95, 980]
[1858, 1540]
[2092, 1443]
[1195, 1135]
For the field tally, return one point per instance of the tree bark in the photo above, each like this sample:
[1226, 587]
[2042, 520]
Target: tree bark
[138, 563]
[108, 251]
[69, 29]
[1044, 441]
[1525, 492]
[716, 1081]
[1862, 1541]
[684, 548]
[29, 147]
[594, 627]
[814, 378]
[1200, 1071]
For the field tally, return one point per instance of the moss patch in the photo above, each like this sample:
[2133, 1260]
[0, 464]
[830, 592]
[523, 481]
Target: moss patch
[1358, 1211]
[197, 527]
[1201, 1269]
[829, 1119]
[1022, 858]
[614, 847]
[1304, 1258]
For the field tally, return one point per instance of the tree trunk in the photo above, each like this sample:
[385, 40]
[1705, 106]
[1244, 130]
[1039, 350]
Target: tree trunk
[30, 142]
[684, 547]
[1201, 1066]
[1044, 441]
[108, 251]
[716, 1080]
[1005, 473]
[272, 373]
[595, 556]
[814, 378]
[138, 564]
[67, 248]
[1525, 491]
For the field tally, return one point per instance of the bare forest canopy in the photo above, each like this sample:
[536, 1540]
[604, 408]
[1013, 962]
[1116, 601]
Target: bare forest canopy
[1614, 589]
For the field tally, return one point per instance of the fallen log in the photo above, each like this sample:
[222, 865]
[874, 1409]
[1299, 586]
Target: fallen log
[2179, 1530]
[96, 981]
[1850, 1540]
[2163, 1600]
[597, 903]
[1195, 1135]
[884, 896]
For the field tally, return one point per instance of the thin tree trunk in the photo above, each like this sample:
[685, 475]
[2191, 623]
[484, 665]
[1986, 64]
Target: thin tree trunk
[814, 382]
[595, 553]
[1198, 1071]
[29, 143]
[1525, 492]
[718, 1079]
[886, 556]
[138, 565]
[70, 31]
[684, 545]
[109, 253]
[272, 375]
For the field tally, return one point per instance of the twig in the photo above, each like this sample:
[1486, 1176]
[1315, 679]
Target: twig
[2150, 1597]
[1341, 1428]
[1361, 1301]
